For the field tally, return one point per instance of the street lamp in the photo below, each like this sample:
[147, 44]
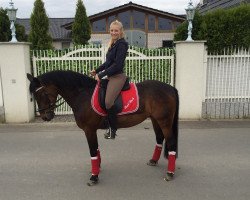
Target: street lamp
[11, 12]
[190, 16]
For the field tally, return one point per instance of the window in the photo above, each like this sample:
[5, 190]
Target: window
[138, 20]
[111, 19]
[151, 22]
[65, 45]
[124, 17]
[167, 43]
[99, 26]
[136, 38]
[164, 24]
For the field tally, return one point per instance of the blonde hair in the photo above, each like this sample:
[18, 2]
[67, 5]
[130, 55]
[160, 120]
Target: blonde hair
[119, 24]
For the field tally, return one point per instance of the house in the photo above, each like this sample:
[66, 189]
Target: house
[144, 26]
[209, 5]
[61, 36]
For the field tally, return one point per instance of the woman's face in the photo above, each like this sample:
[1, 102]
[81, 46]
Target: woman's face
[115, 32]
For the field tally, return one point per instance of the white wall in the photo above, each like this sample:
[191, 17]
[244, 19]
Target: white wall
[155, 39]
[15, 63]
[191, 63]
[57, 45]
[1, 101]
[103, 38]
[1, 92]
[191, 58]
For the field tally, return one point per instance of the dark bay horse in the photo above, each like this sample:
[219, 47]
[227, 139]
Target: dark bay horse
[157, 101]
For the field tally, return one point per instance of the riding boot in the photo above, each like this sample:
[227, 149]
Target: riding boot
[112, 119]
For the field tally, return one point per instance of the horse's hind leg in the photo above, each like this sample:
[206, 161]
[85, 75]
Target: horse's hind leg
[171, 153]
[170, 147]
[170, 150]
[159, 141]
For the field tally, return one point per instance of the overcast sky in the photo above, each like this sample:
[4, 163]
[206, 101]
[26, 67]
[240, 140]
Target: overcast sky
[67, 8]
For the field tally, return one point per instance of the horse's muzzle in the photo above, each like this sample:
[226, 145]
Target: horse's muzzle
[48, 116]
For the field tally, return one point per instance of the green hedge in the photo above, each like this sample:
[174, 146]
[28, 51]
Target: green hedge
[221, 28]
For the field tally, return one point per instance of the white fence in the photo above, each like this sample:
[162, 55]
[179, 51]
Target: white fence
[141, 64]
[228, 76]
[228, 84]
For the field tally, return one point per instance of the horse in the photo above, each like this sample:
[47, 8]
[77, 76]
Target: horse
[157, 100]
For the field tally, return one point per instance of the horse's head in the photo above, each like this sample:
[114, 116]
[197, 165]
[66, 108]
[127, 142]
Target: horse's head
[45, 96]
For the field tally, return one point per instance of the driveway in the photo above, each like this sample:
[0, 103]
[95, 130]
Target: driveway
[51, 161]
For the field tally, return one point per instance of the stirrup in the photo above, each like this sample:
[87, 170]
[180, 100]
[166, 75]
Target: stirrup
[110, 134]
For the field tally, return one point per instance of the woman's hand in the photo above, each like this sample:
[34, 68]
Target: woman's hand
[92, 73]
[97, 77]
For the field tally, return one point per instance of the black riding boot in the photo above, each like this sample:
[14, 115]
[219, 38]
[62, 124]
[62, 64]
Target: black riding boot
[112, 118]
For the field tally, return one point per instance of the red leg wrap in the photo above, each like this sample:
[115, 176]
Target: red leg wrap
[95, 165]
[171, 162]
[99, 157]
[157, 152]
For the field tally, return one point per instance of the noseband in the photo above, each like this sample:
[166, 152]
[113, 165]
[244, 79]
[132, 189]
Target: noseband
[52, 106]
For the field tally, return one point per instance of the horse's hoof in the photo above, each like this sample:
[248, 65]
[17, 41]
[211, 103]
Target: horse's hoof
[152, 162]
[169, 176]
[93, 180]
[91, 183]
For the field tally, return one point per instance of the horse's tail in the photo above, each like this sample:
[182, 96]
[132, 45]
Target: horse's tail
[174, 127]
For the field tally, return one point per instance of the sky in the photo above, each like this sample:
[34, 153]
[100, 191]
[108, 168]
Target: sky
[67, 8]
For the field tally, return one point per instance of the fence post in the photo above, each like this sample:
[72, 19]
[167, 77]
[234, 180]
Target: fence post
[190, 79]
[14, 64]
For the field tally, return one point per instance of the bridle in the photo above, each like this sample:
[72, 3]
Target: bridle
[52, 106]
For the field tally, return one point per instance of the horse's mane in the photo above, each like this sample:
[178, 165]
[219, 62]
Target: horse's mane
[67, 79]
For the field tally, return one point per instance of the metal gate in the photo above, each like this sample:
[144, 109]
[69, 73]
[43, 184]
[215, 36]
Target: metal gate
[228, 85]
[141, 64]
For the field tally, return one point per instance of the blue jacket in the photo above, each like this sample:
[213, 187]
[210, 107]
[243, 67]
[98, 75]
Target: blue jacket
[115, 58]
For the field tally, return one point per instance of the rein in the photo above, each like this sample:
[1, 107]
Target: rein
[52, 106]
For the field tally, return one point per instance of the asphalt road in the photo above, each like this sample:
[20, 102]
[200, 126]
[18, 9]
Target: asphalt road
[51, 161]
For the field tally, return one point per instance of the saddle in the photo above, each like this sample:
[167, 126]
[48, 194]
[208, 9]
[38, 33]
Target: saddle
[102, 93]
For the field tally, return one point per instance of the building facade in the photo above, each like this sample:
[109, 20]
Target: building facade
[144, 26]
[210, 5]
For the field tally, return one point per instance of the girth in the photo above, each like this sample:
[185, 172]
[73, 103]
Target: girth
[102, 94]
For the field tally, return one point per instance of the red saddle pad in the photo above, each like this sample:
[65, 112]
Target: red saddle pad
[130, 100]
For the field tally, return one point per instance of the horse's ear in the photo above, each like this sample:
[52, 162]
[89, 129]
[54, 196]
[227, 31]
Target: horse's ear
[33, 79]
[30, 77]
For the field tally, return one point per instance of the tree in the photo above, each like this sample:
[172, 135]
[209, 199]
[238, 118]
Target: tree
[20, 33]
[4, 26]
[39, 24]
[81, 29]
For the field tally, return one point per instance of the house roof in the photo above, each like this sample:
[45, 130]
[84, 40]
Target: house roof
[128, 6]
[136, 6]
[55, 27]
[222, 4]
[60, 28]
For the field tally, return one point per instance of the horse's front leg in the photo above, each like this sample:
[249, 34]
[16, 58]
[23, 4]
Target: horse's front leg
[95, 156]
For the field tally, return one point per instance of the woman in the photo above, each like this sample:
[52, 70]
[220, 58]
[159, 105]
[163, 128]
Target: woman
[113, 70]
